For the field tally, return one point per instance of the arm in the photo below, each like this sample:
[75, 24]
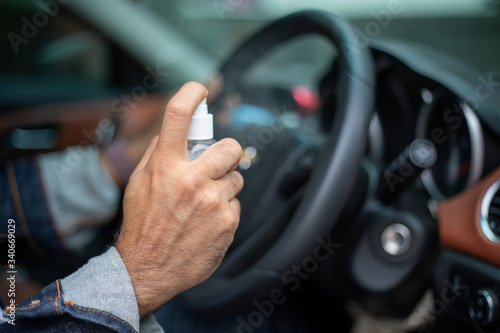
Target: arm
[171, 204]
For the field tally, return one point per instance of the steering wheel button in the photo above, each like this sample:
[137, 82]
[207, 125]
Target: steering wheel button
[396, 239]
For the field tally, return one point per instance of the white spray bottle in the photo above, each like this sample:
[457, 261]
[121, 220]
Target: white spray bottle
[201, 131]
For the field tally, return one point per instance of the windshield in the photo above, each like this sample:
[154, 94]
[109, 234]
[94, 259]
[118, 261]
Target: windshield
[245, 9]
[469, 29]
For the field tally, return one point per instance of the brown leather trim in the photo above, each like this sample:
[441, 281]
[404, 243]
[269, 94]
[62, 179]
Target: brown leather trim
[459, 221]
[76, 121]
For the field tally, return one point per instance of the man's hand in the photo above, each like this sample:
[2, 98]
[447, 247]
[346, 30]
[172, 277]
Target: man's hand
[180, 216]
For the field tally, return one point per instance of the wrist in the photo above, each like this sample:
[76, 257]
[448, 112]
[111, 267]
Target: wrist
[151, 291]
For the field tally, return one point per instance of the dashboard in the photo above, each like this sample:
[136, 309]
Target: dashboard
[422, 94]
[456, 109]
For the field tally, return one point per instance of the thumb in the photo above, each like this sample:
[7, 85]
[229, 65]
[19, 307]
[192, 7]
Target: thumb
[175, 128]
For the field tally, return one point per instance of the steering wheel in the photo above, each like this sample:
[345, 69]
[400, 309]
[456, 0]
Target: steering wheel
[333, 175]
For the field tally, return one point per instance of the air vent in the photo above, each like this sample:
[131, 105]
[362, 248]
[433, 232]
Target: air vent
[490, 213]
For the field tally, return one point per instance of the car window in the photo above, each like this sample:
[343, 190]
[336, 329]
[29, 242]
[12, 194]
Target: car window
[60, 49]
[50, 54]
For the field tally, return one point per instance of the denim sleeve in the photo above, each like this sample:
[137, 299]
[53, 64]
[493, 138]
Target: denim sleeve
[99, 297]
[21, 199]
[57, 199]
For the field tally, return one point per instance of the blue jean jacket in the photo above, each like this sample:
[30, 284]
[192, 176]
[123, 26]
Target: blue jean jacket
[92, 299]
[99, 297]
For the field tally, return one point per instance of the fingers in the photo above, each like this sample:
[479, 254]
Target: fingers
[220, 158]
[147, 155]
[175, 127]
[232, 184]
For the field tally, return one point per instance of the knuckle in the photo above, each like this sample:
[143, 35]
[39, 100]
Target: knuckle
[232, 146]
[189, 184]
[230, 222]
[212, 199]
[238, 208]
[178, 110]
[196, 177]
[209, 160]
[239, 181]
[179, 182]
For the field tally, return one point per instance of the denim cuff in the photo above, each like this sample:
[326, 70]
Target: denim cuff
[150, 325]
[104, 285]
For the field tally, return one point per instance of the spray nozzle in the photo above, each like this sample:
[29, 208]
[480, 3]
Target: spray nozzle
[202, 125]
[201, 109]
